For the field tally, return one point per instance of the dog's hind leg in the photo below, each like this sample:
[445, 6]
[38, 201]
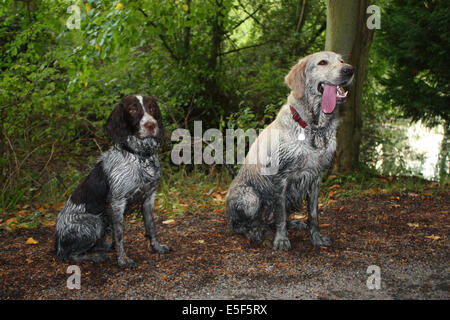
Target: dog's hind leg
[89, 256]
[243, 206]
[76, 238]
[101, 244]
[297, 225]
[313, 219]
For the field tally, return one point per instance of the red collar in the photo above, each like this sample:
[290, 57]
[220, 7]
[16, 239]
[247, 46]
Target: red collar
[297, 117]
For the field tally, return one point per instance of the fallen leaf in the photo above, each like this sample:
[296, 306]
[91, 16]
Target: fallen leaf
[50, 223]
[31, 241]
[299, 216]
[11, 221]
[28, 260]
[375, 190]
[22, 213]
[413, 225]
[199, 241]
[169, 221]
[433, 237]
[218, 196]
[324, 225]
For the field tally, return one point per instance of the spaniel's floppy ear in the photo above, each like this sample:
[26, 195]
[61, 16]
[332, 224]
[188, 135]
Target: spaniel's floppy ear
[158, 117]
[295, 79]
[116, 126]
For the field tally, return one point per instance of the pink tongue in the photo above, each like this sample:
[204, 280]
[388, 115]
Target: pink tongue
[329, 98]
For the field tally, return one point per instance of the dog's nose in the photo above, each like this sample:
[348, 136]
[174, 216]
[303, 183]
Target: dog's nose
[347, 70]
[150, 126]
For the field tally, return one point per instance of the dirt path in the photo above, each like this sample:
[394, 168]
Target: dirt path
[407, 236]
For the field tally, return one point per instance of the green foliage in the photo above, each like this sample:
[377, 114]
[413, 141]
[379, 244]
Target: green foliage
[222, 62]
[407, 78]
[415, 42]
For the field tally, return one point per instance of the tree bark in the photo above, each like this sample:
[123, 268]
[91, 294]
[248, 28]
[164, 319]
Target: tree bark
[443, 167]
[217, 33]
[348, 35]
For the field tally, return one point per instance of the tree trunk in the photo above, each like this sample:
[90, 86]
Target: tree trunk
[348, 35]
[443, 168]
[217, 33]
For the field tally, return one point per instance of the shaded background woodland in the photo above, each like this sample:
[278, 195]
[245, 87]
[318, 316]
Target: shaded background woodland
[219, 61]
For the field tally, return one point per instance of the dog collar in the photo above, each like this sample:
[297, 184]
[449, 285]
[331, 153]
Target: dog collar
[139, 154]
[297, 117]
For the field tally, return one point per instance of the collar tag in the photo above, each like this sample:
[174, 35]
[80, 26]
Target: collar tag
[301, 135]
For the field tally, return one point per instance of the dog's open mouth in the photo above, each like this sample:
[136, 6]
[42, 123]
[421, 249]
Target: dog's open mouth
[331, 95]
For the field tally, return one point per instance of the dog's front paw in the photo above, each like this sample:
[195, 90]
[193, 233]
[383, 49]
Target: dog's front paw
[161, 248]
[281, 243]
[319, 240]
[126, 262]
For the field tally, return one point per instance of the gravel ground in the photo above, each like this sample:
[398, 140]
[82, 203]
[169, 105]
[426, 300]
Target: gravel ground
[405, 235]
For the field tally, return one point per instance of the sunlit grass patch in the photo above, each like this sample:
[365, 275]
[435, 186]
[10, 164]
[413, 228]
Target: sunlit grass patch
[363, 183]
[194, 191]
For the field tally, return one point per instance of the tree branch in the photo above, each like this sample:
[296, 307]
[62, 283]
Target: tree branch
[161, 37]
[322, 28]
[249, 15]
[248, 47]
[301, 19]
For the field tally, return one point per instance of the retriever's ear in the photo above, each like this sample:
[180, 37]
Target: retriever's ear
[295, 79]
[116, 126]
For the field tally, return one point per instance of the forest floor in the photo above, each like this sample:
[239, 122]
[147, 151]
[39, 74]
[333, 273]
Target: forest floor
[405, 234]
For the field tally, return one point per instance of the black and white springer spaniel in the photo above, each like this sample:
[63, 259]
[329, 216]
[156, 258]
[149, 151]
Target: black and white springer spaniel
[126, 175]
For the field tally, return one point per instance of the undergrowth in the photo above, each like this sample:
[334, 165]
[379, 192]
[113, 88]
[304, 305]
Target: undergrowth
[187, 189]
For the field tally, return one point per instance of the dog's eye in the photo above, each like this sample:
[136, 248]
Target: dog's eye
[133, 108]
[323, 63]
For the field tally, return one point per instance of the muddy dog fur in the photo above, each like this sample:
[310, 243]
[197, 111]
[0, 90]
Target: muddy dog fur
[124, 176]
[286, 162]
